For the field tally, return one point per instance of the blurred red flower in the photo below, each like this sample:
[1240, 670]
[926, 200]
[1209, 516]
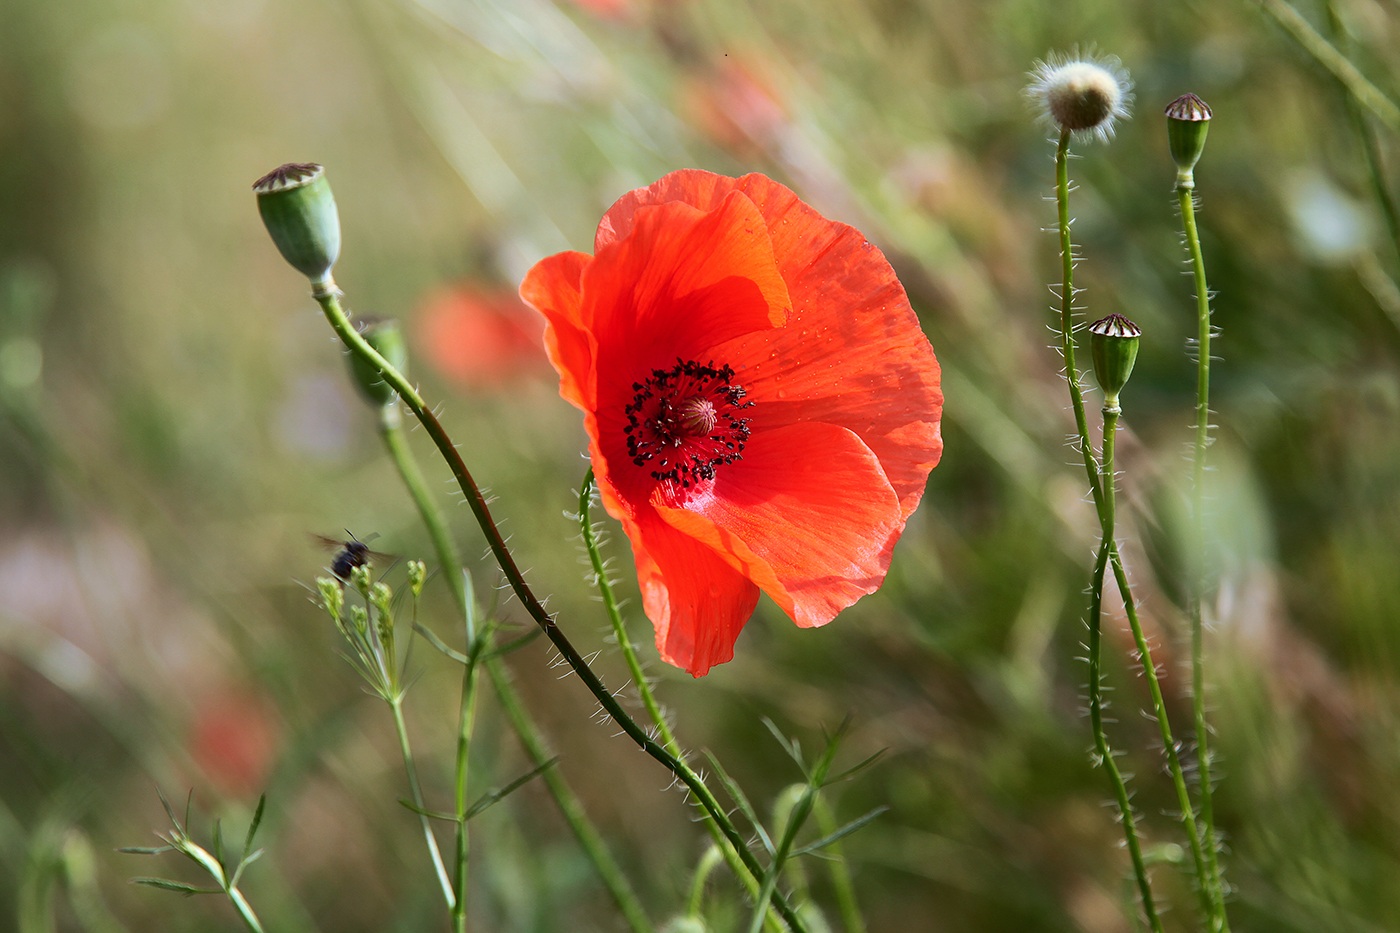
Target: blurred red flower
[234, 738]
[479, 337]
[761, 405]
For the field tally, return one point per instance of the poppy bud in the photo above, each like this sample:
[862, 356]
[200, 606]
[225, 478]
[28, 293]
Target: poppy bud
[1188, 120]
[1083, 95]
[1113, 342]
[387, 339]
[298, 209]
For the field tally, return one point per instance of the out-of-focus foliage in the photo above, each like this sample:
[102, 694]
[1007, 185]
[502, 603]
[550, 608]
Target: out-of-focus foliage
[175, 419]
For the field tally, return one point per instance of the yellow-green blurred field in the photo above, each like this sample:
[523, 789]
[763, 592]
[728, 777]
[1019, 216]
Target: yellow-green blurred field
[175, 419]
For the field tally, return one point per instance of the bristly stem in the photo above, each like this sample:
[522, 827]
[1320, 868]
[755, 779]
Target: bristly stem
[1076, 391]
[1106, 520]
[1212, 880]
[1105, 751]
[327, 295]
[1101, 486]
[570, 807]
[634, 667]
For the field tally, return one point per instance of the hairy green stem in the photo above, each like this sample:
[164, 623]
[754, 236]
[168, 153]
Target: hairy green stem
[1212, 880]
[1102, 489]
[614, 879]
[327, 295]
[1101, 743]
[1076, 391]
[634, 667]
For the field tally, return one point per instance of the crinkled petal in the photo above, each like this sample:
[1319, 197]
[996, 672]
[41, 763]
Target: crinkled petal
[852, 353]
[682, 281]
[697, 602]
[554, 288]
[807, 514]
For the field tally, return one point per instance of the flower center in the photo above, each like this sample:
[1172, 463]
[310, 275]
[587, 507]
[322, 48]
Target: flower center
[684, 421]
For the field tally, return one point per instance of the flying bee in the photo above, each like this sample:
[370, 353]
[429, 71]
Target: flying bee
[350, 553]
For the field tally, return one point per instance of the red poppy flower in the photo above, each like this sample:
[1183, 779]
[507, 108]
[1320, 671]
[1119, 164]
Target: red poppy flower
[761, 405]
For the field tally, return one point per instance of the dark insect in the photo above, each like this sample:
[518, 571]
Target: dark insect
[350, 553]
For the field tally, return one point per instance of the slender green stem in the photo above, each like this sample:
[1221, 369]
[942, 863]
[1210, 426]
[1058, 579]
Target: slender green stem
[842, 887]
[415, 790]
[1101, 744]
[1199, 583]
[1076, 391]
[1102, 490]
[1209, 903]
[391, 431]
[327, 295]
[245, 910]
[564, 797]
[1101, 485]
[634, 666]
[1325, 54]
[605, 590]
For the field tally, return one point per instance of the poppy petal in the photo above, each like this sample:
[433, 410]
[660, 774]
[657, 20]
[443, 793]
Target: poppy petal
[697, 602]
[852, 353]
[807, 514]
[554, 288]
[682, 281]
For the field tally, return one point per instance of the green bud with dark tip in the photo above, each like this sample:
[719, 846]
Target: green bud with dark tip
[1113, 343]
[298, 209]
[387, 339]
[1188, 121]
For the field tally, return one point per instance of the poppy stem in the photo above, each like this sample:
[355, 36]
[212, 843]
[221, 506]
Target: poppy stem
[327, 295]
[1103, 503]
[634, 666]
[1096, 704]
[1213, 881]
[392, 433]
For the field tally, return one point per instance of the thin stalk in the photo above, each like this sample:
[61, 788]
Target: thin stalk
[634, 667]
[564, 797]
[1101, 745]
[391, 431]
[1325, 54]
[842, 887]
[1076, 391]
[415, 790]
[1195, 612]
[327, 295]
[245, 910]
[1104, 503]
[1213, 907]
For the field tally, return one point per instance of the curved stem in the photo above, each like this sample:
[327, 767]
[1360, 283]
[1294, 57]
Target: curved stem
[1101, 745]
[565, 799]
[634, 666]
[327, 295]
[1199, 582]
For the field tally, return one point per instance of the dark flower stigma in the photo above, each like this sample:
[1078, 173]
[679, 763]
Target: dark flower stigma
[684, 422]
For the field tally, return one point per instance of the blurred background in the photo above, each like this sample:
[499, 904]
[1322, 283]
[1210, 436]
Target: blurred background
[175, 419]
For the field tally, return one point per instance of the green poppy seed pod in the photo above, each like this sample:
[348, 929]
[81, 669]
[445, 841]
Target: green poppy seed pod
[387, 339]
[298, 209]
[1188, 121]
[1113, 342]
